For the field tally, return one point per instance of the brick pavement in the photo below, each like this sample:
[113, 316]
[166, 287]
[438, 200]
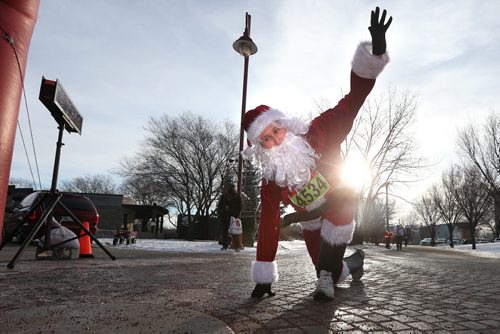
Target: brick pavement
[417, 290]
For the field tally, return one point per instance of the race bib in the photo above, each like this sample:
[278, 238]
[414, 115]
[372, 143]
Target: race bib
[311, 192]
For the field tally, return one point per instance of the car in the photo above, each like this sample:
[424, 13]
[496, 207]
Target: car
[425, 242]
[483, 241]
[496, 240]
[458, 241]
[19, 223]
[440, 241]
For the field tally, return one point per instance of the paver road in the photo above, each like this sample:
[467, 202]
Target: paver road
[416, 290]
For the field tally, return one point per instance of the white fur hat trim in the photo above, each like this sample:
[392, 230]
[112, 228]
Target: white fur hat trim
[261, 122]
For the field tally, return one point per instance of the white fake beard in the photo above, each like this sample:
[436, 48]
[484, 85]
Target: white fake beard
[289, 164]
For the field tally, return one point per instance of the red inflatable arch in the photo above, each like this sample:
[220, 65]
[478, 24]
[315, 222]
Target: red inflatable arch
[17, 21]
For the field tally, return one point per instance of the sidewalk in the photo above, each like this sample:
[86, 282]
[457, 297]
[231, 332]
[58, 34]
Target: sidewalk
[417, 290]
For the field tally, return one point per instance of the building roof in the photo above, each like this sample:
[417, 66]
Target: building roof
[146, 211]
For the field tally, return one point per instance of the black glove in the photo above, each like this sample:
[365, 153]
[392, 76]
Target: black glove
[377, 30]
[261, 289]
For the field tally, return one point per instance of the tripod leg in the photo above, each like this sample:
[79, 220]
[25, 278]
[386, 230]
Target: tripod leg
[35, 229]
[68, 211]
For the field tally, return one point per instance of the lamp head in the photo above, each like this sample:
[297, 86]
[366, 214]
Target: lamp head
[245, 46]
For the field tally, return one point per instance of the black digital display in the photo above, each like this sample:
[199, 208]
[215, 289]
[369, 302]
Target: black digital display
[55, 98]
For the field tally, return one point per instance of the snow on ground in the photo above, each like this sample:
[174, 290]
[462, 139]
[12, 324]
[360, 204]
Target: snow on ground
[210, 246]
[177, 245]
[491, 249]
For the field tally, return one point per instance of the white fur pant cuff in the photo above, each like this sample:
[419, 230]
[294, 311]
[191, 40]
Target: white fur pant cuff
[264, 272]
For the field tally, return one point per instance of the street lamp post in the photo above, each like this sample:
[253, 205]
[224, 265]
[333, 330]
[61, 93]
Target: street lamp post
[386, 184]
[245, 47]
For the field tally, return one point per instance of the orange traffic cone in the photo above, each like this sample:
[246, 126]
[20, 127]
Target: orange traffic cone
[85, 246]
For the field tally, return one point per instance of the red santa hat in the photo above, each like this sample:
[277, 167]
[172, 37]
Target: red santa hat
[256, 120]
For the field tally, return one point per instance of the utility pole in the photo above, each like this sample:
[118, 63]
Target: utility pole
[386, 184]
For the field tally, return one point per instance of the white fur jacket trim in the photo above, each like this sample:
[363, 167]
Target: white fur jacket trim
[336, 234]
[367, 65]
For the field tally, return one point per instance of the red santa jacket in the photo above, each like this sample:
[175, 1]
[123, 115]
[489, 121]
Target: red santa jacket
[325, 135]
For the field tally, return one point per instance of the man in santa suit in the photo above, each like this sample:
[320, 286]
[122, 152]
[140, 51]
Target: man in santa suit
[301, 166]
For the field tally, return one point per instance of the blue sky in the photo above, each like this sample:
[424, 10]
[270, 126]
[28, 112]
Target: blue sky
[125, 61]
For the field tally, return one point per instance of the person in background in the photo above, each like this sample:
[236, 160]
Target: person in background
[388, 235]
[399, 237]
[229, 206]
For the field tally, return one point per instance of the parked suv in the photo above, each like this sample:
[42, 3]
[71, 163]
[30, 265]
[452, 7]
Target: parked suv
[425, 242]
[79, 205]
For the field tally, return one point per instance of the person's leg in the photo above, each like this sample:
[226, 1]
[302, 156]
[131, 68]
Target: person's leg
[336, 231]
[312, 237]
[329, 269]
[331, 259]
[225, 228]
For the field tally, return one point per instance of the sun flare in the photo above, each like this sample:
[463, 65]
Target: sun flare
[356, 172]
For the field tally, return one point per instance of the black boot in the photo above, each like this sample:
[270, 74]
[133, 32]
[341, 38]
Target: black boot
[261, 289]
[355, 263]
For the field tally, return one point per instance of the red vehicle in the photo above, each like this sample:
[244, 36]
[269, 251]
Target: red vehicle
[79, 205]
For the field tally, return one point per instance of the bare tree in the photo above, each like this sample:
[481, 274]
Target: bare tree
[473, 198]
[409, 221]
[482, 149]
[144, 190]
[185, 158]
[488, 222]
[445, 201]
[383, 135]
[91, 184]
[374, 228]
[428, 214]
[21, 182]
